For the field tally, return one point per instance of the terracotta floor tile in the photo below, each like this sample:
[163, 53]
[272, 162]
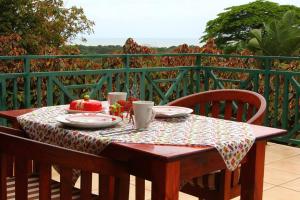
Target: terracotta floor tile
[132, 193]
[95, 184]
[183, 196]
[277, 177]
[270, 143]
[55, 175]
[277, 152]
[148, 185]
[285, 165]
[288, 150]
[293, 185]
[294, 159]
[273, 156]
[132, 179]
[268, 186]
[95, 192]
[284, 147]
[280, 193]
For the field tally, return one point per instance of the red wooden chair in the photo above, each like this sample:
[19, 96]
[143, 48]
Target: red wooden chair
[40, 186]
[229, 104]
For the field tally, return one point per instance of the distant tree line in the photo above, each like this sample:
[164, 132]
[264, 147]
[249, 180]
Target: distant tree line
[108, 49]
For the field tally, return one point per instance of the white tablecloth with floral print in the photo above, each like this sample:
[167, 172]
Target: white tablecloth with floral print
[232, 139]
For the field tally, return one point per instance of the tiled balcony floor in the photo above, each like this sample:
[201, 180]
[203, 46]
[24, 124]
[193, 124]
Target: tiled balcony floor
[281, 181]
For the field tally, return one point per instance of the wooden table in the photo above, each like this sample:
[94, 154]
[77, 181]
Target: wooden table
[167, 165]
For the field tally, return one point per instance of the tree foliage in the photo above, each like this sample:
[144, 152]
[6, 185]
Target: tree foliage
[42, 23]
[108, 49]
[234, 25]
[277, 38]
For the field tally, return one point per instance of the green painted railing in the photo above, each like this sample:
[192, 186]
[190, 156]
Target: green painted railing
[34, 86]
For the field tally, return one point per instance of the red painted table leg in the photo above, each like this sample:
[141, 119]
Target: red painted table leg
[139, 188]
[106, 187]
[252, 173]
[122, 188]
[166, 180]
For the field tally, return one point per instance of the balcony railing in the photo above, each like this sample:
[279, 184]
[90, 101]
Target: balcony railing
[38, 81]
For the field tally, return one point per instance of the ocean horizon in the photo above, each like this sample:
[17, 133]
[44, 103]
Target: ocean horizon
[150, 42]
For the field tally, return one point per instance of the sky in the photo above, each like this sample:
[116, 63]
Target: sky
[152, 22]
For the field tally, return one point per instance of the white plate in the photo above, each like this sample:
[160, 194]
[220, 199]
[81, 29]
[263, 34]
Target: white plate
[171, 111]
[82, 111]
[89, 120]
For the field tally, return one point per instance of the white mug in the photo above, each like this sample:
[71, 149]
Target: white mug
[113, 97]
[143, 114]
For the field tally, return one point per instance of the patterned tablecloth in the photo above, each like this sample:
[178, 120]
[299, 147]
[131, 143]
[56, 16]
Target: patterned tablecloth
[232, 139]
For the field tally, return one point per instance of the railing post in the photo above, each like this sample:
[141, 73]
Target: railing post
[27, 95]
[206, 79]
[285, 106]
[127, 67]
[184, 82]
[198, 79]
[276, 101]
[15, 94]
[297, 110]
[142, 86]
[109, 81]
[50, 91]
[3, 94]
[267, 62]
[3, 103]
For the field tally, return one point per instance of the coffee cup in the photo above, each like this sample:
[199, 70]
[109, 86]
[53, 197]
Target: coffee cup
[113, 97]
[143, 114]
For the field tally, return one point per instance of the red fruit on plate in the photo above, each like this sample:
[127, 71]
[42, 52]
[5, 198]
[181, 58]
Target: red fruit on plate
[122, 102]
[116, 109]
[86, 104]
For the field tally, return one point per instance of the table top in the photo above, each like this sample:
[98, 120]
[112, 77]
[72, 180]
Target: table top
[125, 151]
